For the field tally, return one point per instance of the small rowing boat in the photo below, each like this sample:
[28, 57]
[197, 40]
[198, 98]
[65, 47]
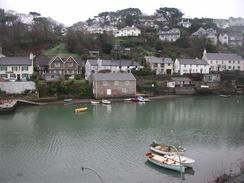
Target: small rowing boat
[68, 100]
[104, 101]
[165, 162]
[82, 109]
[166, 149]
[95, 102]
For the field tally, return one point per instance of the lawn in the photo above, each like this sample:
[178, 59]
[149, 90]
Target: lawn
[59, 50]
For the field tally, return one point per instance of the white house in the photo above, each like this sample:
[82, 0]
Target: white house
[187, 66]
[223, 61]
[128, 31]
[16, 67]
[185, 23]
[97, 29]
[160, 65]
[170, 35]
[94, 66]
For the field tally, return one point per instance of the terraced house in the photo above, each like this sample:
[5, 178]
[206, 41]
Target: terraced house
[224, 61]
[190, 66]
[16, 68]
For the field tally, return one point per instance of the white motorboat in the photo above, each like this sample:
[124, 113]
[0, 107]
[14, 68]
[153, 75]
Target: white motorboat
[104, 101]
[165, 162]
[166, 149]
[95, 102]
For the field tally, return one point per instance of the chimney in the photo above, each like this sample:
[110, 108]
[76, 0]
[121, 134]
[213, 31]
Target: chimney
[31, 56]
[204, 52]
[99, 62]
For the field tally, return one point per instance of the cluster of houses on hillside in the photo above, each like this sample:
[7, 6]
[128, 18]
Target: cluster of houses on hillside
[230, 32]
[101, 73]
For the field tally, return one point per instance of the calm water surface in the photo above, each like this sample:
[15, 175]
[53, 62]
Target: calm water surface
[51, 143]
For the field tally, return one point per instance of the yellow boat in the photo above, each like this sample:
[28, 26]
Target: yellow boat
[82, 109]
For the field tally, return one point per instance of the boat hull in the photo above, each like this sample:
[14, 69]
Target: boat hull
[161, 161]
[165, 152]
[106, 102]
[83, 109]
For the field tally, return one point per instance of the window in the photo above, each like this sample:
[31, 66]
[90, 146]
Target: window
[162, 65]
[229, 67]
[234, 62]
[70, 64]
[155, 65]
[124, 90]
[185, 65]
[169, 64]
[57, 64]
[238, 67]
[127, 83]
[229, 62]
[3, 68]
[105, 83]
[3, 76]
[116, 83]
[12, 76]
[24, 68]
[238, 61]
[14, 68]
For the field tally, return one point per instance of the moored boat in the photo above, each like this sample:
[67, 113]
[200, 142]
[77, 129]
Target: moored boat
[165, 149]
[140, 99]
[225, 96]
[68, 100]
[104, 101]
[165, 162]
[82, 109]
[95, 102]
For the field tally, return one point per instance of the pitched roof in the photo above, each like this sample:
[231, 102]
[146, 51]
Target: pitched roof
[44, 61]
[15, 61]
[192, 61]
[159, 60]
[223, 56]
[114, 63]
[154, 59]
[114, 77]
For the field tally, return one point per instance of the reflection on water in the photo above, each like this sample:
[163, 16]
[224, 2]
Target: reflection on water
[51, 143]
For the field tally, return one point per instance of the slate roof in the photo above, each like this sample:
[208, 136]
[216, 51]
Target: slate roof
[159, 60]
[192, 61]
[154, 59]
[114, 77]
[223, 56]
[114, 63]
[7, 61]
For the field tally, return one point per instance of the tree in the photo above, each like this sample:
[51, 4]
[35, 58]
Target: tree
[171, 15]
